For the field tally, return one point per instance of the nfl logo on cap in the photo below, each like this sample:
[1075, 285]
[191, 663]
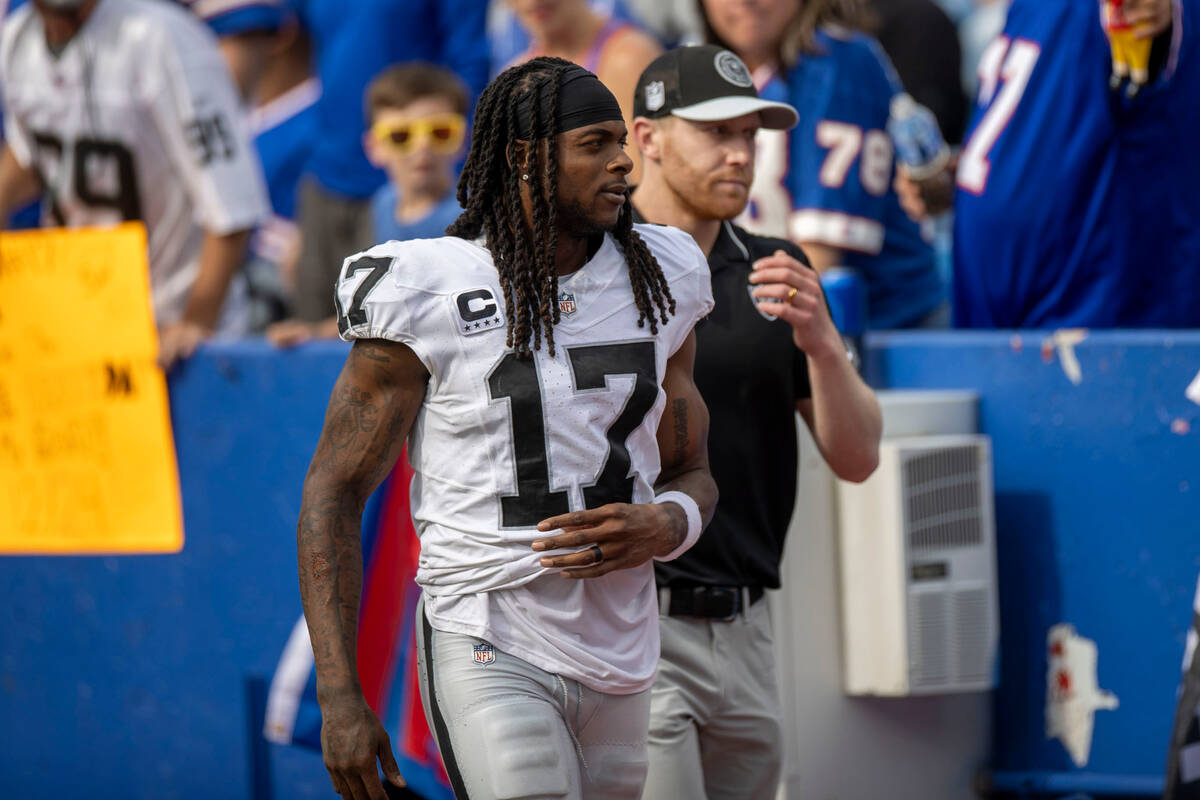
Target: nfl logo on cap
[656, 95]
[566, 303]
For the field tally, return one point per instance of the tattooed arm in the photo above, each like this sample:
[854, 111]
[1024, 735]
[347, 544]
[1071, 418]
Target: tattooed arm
[683, 441]
[370, 413]
[631, 534]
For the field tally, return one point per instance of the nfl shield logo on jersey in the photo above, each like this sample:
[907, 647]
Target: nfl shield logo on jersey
[484, 654]
[566, 303]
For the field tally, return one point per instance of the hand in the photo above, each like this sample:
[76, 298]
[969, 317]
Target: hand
[352, 740]
[627, 535]
[787, 289]
[179, 340]
[933, 195]
[1149, 18]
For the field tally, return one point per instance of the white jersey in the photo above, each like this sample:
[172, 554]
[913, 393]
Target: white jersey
[502, 443]
[136, 118]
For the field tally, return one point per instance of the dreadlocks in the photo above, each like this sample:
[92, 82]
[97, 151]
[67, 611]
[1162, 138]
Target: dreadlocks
[489, 191]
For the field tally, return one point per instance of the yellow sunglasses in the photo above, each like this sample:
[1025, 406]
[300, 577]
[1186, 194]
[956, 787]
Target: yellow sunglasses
[444, 132]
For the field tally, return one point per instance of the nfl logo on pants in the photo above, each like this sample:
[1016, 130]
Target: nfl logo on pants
[484, 654]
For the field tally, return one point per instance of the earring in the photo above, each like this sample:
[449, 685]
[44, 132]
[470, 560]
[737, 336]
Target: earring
[525, 177]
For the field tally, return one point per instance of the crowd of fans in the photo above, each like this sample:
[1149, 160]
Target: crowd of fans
[356, 116]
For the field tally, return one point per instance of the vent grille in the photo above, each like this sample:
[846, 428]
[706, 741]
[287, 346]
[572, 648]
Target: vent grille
[941, 498]
[949, 634]
[929, 656]
[972, 631]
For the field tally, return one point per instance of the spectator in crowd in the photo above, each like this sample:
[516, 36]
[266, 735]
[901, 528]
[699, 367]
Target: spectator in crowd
[417, 114]
[827, 185]
[133, 116]
[26, 216]
[672, 21]
[246, 31]
[615, 51]
[507, 38]
[354, 42]
[922, 43]
[418, 118]
[715, 725]
[1076, 207]
[270, 58]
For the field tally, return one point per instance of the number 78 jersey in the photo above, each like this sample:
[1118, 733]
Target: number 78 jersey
[501, 443]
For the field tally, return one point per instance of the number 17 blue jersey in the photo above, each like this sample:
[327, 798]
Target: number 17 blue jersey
[1075, 206]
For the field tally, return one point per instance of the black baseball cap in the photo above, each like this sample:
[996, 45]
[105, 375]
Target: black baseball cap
[704, 83]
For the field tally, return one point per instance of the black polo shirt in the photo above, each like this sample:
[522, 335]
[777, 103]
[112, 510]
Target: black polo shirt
[750, 374]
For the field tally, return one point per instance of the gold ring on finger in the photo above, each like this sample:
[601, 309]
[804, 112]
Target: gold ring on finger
[791, 294]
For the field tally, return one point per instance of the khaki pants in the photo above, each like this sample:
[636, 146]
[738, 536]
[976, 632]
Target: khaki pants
[332, 227]
[714, 710]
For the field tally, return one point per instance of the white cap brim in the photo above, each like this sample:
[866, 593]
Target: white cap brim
[776, 116]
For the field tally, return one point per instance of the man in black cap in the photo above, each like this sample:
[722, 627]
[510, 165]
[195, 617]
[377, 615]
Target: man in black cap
[767, 350]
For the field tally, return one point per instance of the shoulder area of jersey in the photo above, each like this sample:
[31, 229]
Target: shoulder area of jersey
[153, 20]
[675, 250]
[14, 22]
[436, 266]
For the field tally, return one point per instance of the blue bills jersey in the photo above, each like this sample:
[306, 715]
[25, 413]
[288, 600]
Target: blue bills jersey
[1075, 206]
[829, 180]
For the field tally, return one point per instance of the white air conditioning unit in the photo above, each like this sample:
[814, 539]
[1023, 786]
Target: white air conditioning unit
[918, 570]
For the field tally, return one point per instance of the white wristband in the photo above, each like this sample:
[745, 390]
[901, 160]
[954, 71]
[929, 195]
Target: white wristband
[694, 523]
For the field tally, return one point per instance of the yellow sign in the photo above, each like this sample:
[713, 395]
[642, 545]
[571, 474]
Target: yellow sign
[87, 459]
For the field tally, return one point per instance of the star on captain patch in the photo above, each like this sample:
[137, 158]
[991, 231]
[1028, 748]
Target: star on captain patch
[566, 303]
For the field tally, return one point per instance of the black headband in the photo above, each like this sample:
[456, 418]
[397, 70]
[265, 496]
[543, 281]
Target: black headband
[582, 100]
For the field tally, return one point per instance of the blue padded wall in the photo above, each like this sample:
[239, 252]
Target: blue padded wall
[125, 677]
[1098, 525]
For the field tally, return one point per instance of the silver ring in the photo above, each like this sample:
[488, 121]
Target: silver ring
[599, 553]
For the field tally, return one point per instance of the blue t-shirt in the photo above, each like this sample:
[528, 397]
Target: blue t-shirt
[829, 179]
[357, 40]
[431, 226]
[1077, 207]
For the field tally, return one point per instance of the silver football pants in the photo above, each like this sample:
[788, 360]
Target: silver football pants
[507, 729]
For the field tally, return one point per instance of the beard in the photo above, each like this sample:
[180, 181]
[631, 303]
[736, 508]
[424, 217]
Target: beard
[575, 220]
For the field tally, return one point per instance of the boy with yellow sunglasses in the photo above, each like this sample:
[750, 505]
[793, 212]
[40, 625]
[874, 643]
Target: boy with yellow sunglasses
[417, 117]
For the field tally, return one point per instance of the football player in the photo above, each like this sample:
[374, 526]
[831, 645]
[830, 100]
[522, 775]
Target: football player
[528, 357]
[133, 117]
